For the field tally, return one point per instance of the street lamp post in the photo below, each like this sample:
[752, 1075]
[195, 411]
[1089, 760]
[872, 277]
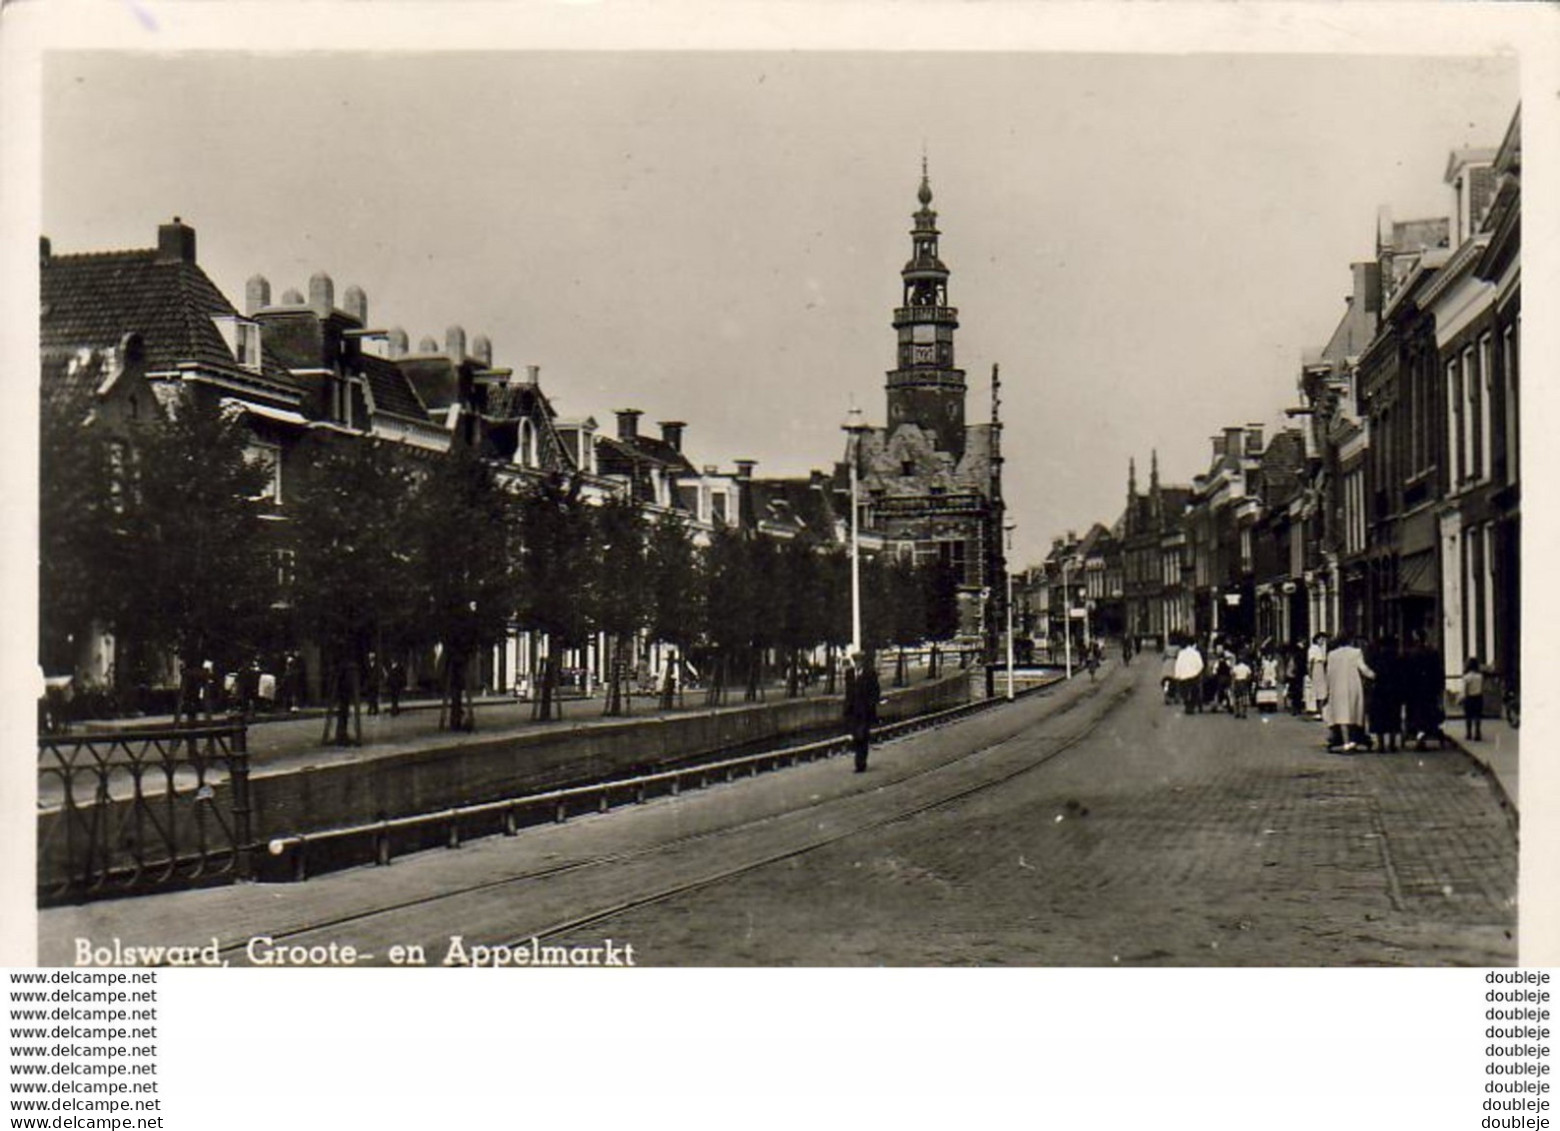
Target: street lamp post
[1067, 597]
[854, 427]
[1009, 571]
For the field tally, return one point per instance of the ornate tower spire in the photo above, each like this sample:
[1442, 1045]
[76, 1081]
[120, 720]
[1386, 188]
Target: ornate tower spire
[1131, 478]
[926, 389]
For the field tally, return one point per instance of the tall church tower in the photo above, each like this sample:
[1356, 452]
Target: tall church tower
[926, 389]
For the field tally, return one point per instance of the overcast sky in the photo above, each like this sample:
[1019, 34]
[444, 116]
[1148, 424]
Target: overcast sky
[1144, 243]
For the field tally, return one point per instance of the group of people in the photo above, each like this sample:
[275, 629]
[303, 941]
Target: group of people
[1370, 696]
[1221, 674]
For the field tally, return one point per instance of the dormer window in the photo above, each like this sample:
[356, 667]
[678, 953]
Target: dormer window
[243, 340]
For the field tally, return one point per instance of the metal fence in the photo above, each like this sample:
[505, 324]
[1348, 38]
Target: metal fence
[131, 811]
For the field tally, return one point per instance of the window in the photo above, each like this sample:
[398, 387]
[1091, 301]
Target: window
[243, 340]
[718, 506]
[1487, 399]
[525, 449]
[258, 453]
[118, 461]
[1470, 421]
[1455, 455]
[1508, 358]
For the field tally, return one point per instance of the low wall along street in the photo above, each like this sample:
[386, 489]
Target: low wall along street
[406, 783]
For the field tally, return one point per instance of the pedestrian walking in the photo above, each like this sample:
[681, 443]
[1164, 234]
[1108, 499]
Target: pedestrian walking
[1093, 661]
[1240, 686]
[1167, 673]
[862, 692]
[1473, 700]
[1316, 676]
[375, 680]
[1386, 694]
[1344, 708]
[1295, 677]
[1188, 677]
[1423, 684]
[395, 683]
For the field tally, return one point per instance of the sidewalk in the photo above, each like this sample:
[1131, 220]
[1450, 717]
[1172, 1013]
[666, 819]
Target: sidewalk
[1498, 753]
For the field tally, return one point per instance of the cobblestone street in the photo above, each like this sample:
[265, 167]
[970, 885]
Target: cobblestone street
[1162, 839]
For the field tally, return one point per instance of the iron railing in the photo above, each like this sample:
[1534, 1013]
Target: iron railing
[130, 811]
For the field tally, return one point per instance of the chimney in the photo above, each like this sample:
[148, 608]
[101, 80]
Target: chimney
[531, 377]
[672, 432]
[427, 345]
[1253, 439]
[1367, 286]
[175, 242]
[482, 350]
[745, 469]
[355, 303]
[44, 249]
[628, 423]
[257, 294]
[1218, 445]
[322, 294]
[1232, 438]
[455, 343]
[397, 342]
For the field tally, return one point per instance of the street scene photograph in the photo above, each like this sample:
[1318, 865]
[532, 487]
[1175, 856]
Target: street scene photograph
[610, 508]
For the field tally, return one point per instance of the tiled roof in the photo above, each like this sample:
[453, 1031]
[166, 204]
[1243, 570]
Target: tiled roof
[391, 390]
[94, 300]
[793, 505]
[435, 379]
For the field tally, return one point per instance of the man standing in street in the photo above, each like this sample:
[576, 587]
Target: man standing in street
[862, 692]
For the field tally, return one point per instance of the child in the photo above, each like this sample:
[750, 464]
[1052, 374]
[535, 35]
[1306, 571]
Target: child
[1240, 686]
[1473, 700]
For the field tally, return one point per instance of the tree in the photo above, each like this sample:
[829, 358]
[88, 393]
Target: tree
[671, 566]
[906, 614]
[200, 577]
[555, 563]
[351, 578]
[834, 607]
[727, 599]
[467, 538]
[799, 607]
[77, 495]
[619, 587]
[941, 606]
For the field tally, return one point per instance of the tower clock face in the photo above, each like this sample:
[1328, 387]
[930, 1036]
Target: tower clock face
[925, 355]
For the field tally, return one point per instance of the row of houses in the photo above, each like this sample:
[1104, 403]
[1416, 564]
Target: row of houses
[1389, 502]
[131, 330]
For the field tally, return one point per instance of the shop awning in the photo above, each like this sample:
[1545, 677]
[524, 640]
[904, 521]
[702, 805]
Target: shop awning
[1416, 575]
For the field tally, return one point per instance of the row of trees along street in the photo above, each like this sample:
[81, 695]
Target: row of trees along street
[165, 538]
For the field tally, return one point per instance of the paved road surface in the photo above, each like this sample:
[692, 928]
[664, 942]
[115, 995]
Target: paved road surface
[1086, 826]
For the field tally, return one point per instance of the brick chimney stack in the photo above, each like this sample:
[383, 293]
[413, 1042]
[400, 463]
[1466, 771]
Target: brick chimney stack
[322, 295]
[628, 423]
[672, 433]
[175, 242]
[745, 469]
[257, 294]
[355, 303]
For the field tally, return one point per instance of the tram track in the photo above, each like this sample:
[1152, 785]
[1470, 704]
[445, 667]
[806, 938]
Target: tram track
[496, 888]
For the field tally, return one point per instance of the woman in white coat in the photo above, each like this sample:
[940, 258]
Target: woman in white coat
[1316, 676]
[1344, 710]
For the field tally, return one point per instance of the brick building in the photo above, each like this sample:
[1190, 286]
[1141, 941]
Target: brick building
[930, 481]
